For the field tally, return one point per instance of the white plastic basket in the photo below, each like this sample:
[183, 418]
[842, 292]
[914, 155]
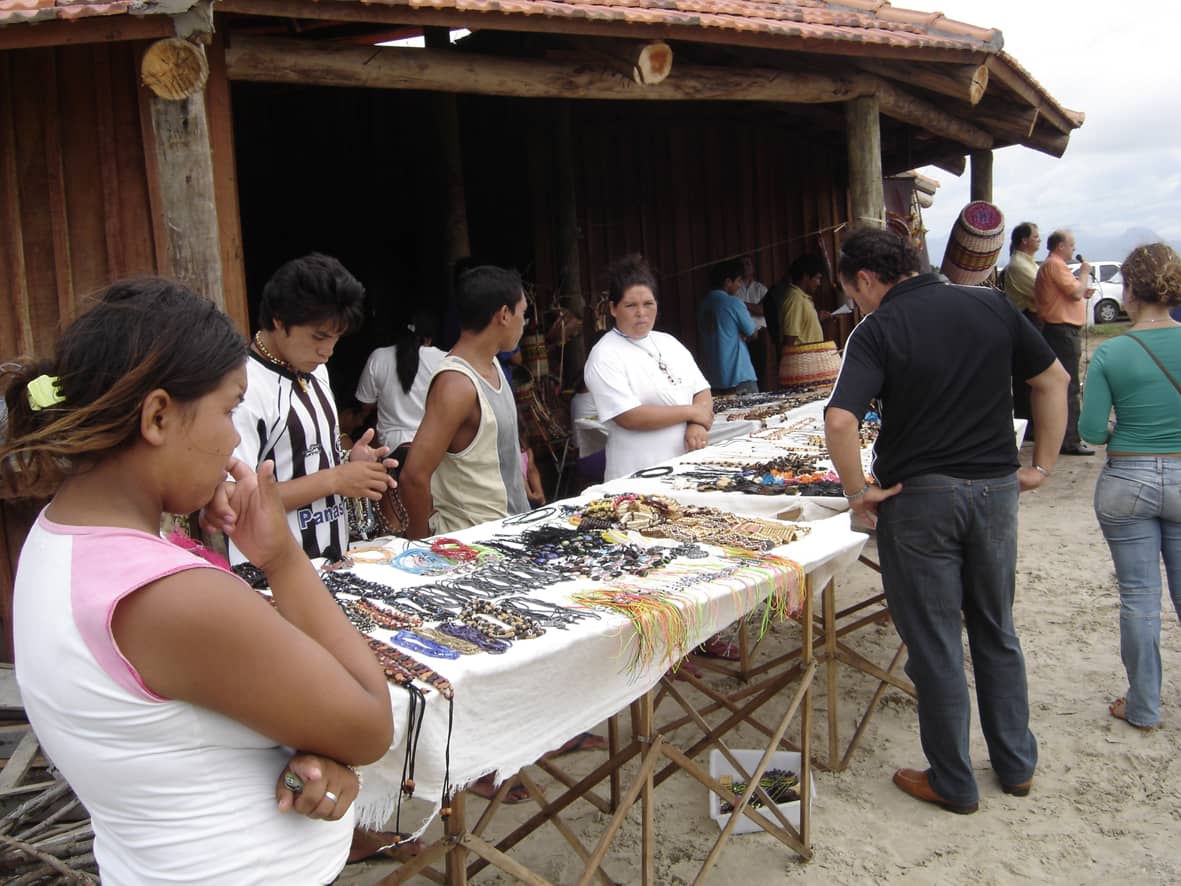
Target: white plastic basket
[719, 766]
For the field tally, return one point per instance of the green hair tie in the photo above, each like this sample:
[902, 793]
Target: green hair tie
[44, 392]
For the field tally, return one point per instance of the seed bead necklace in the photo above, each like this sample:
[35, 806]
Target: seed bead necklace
[301, 377]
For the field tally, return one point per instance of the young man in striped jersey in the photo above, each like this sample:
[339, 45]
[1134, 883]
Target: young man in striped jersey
[288, 413]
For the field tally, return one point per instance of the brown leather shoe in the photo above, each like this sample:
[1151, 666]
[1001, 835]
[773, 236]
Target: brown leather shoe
[914, 782]
[1018, 790]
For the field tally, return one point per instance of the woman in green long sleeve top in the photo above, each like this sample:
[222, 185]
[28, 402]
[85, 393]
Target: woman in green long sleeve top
[1138, 496]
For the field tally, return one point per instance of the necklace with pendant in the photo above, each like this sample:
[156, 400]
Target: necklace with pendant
[301, 377]
[658, 357]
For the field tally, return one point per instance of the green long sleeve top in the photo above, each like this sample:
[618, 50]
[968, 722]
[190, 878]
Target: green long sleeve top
[1147, 406]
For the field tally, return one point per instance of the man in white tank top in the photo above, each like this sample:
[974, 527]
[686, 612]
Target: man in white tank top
[465, 465]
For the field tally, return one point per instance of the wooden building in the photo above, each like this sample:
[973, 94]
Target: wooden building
[553, 137]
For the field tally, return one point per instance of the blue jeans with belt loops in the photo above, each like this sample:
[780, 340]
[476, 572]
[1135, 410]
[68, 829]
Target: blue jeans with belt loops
[948, 549]
[1138, 503]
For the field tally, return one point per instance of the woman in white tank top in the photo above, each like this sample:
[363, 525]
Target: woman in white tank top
[167, 691]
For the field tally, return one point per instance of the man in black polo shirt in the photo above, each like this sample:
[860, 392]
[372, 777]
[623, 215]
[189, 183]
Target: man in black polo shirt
[941, 359]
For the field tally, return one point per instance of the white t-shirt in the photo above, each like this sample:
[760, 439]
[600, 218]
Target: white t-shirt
[623, 373]
[399, 412]
[753, 295]
[177, 793]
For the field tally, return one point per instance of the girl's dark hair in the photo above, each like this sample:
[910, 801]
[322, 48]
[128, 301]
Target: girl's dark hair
[626, 272]
[880, 252]
[412, 337]
[140, 335]
[1153, 273]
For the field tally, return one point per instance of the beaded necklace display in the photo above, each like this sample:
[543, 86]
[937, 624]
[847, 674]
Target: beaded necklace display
[301, 377]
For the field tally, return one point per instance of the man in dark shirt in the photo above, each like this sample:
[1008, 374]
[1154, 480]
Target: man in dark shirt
[940, 358]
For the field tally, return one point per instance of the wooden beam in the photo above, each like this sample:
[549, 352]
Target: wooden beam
[907, 108]
[1052, 143]
[225, 184]
[1002, 71]
[104, 29]
[964, 82]
[647, 63]
[273, 60]
[955, 165]
[187, 194]
[786, 40]
[10, 230]
[981, 180]
[864, 145]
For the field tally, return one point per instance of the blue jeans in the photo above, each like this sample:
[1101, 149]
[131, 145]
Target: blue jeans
[948, 551]
[1138, 503]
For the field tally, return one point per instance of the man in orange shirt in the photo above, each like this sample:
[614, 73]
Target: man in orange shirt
[1061, 305]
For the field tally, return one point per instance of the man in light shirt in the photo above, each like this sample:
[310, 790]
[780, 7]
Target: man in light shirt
[1019, 280]
[1062, 307]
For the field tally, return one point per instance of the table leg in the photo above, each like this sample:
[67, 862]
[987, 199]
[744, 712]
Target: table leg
[454, 827]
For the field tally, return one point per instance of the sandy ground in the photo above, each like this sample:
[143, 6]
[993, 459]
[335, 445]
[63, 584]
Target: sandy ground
[1106, 803]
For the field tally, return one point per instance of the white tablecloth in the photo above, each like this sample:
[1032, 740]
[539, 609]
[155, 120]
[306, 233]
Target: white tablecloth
[510, 709]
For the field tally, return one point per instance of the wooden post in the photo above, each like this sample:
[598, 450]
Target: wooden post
[456, 239]
[184, 160]
[863, 131]
[569, 257]
[981, 188]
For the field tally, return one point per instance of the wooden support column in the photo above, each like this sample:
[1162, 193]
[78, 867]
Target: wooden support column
[864, 135]
[457, 241]
[184, 160]
[981, 188]
[569, 256]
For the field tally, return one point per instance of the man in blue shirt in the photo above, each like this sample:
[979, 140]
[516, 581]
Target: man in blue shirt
[723, 325]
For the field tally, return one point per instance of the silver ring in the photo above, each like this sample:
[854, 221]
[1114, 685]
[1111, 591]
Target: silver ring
[292, 782]
[328, 795]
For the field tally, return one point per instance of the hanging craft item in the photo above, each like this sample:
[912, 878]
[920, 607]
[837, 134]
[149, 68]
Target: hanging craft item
[534, 355]
[658, 623]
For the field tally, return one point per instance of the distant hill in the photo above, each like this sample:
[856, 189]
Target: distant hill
[1093, 244]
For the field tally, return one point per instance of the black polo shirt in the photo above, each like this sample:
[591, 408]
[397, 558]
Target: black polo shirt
[941, 359]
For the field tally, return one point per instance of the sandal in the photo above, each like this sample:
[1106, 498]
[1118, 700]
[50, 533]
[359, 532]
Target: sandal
[719, 647]
[484, 787]
[1119, 710]
[584, 741]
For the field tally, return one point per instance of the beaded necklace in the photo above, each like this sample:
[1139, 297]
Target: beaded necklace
[417, 643]
[301, 377]
[658, 357]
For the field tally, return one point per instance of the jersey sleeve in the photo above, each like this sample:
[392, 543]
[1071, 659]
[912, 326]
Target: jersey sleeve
[863, 370]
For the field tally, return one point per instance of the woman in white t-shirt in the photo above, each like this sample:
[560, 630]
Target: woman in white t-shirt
[647, 388]
[396, 380]
[167, 691]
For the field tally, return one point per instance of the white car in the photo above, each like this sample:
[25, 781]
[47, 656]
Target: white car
[1105, 296]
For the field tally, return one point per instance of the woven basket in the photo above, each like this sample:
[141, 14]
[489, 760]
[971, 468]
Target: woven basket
[809, 366]
[975, 243]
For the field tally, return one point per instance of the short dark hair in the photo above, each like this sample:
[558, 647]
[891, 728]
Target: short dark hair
[730, 269]
[807, 265]
[309, 290]
[483, 291]
[1020, 233]
[880, 252]
[1055, 239]
[626, 272]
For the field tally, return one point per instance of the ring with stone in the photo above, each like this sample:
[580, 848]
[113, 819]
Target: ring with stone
[292, 782]
[328, 795]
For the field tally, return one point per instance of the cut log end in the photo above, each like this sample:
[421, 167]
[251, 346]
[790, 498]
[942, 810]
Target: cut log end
[654, 64]
[174, 69]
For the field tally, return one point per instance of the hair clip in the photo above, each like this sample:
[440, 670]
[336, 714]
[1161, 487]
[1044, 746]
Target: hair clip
[45, 391]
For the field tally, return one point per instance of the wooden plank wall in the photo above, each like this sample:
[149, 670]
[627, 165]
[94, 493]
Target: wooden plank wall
[690, 190]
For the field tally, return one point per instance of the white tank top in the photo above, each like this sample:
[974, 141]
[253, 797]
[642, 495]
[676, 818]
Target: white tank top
[176, 793]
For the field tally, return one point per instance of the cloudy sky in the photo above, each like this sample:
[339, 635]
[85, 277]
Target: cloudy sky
[1121, 175]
